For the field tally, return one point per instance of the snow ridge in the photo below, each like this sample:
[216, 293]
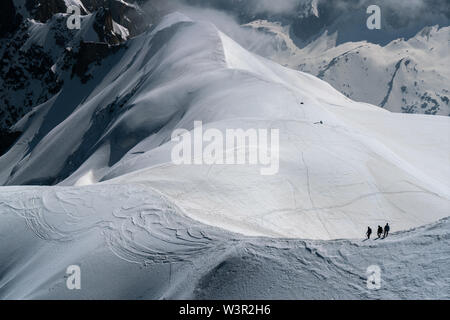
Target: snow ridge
[118, 206]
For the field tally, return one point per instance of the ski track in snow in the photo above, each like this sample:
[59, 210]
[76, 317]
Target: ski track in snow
[141, 227]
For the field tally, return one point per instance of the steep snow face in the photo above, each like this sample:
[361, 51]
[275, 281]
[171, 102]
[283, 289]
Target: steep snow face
[362, 166]
[38, 41]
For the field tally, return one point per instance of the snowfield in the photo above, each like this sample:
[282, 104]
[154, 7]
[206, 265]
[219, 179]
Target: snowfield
[131, 243]
[141, 227]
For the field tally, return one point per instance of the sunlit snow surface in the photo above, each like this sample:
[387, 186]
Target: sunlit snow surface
[141, 227]
[130, 243]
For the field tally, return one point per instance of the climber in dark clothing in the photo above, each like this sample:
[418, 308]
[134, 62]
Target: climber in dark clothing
[369, 232]
[319, 122]
[379, 231]
[386, 230]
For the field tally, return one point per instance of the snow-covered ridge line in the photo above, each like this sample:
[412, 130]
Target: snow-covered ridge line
[133, 235]
[358, 167]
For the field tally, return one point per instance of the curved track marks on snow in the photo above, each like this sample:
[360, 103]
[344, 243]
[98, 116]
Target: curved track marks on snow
[138, 224]
[135, 236]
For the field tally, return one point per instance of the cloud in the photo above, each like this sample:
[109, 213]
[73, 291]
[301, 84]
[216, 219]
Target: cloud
[228, 15]
[228, 24]
[275, 7]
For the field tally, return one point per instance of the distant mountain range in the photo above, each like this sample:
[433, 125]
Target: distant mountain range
[403, 67]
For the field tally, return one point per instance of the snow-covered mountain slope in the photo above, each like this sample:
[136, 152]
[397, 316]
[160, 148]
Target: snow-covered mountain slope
[331, 30]
[119, 208]
[39, 39]
[409, 76]
[402, 67]
[363, 166]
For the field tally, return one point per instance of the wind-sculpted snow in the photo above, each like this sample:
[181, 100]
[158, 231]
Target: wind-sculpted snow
[137, 223]
[141, 226]
[412, 267]
[359, 167]
[131, 243]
